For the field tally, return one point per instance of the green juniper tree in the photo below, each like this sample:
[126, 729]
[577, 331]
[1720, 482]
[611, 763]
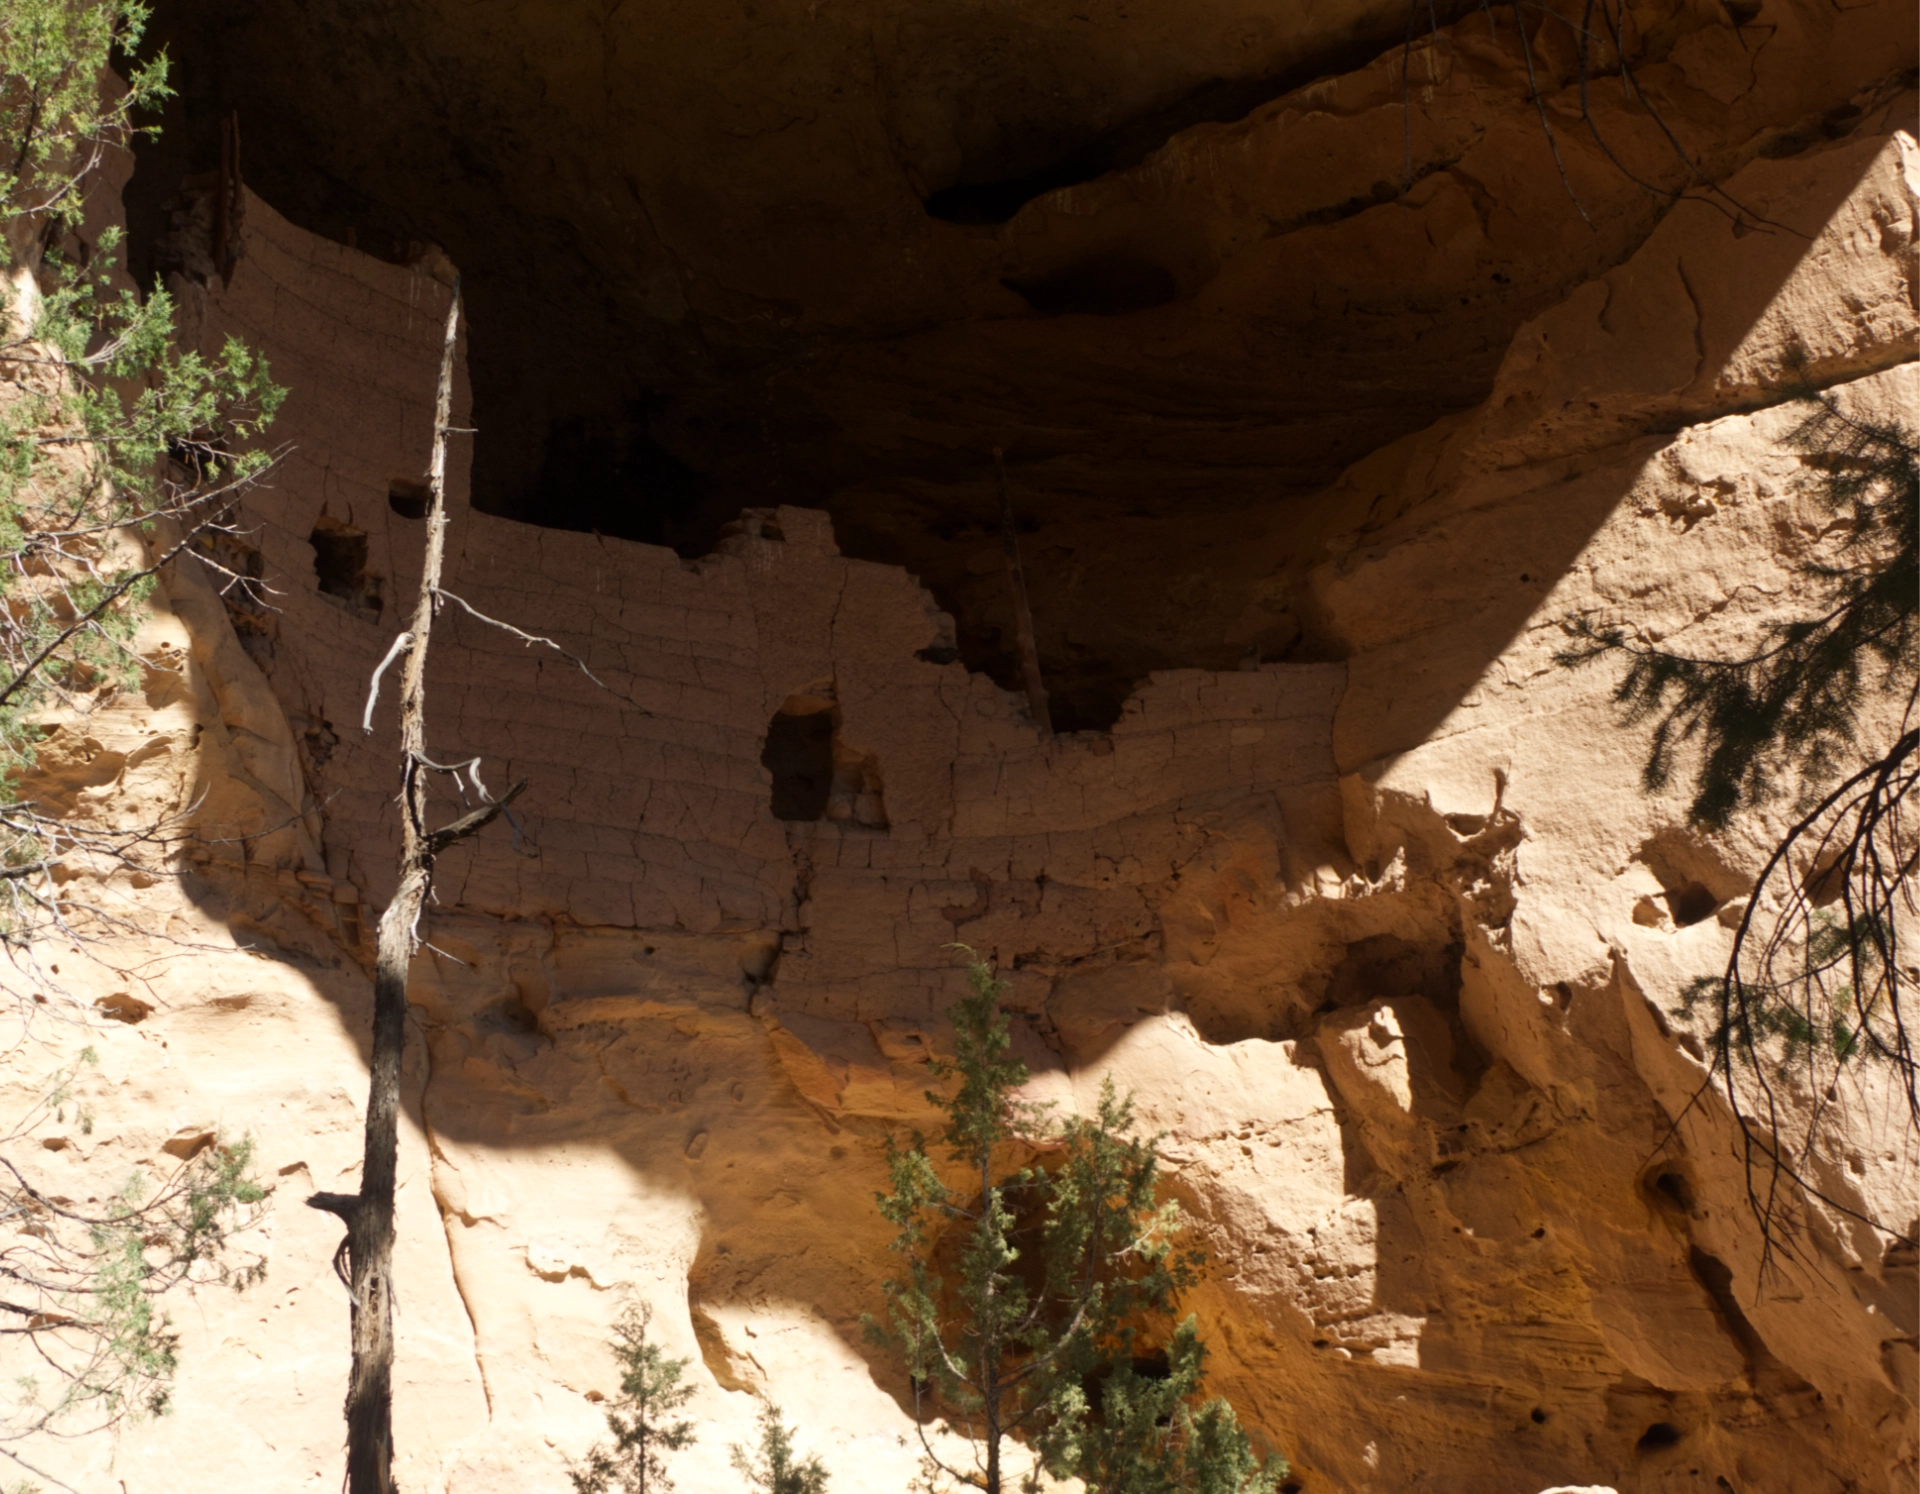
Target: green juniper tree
[641, 1417]
[1158, 1434]
[772, 1466]
[118, 454]
[1815, 977]
[1024, 1283]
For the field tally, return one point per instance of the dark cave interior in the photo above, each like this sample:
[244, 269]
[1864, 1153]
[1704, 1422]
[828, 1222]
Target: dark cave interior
[699, 282]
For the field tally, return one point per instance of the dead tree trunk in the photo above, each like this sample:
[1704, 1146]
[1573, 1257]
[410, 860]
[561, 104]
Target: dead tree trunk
[368, 1214]
[1022, 612]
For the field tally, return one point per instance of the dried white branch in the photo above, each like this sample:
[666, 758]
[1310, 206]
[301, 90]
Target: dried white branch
[373, 691]
[533, 638]
[471, 767]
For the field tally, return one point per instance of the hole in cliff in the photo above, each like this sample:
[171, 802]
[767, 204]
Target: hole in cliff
[122, 1007]
[1109, 285]
[1690, 904]
[817, 775]
[1382, 965]
[340, 564]
[409, 499]
[799, 755]
[1670, 1188]
[1661, 1434]
[1694, 881]
[1152, 1365]
[1539, 1417]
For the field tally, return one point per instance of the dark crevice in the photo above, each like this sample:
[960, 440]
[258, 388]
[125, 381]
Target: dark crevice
[1661, 1435]
[409, 499]
[1716, 1278]
[1109, 285]
[1216, 101]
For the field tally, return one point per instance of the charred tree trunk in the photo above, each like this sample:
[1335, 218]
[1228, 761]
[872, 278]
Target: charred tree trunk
[368, 1247]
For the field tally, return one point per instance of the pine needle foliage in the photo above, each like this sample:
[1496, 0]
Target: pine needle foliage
[85, 1286]
[55, 124]
[118, 451]
[1024, 1283]
[1158, 1433]
[772, 1465]
[1815, 980]
[641, 1417]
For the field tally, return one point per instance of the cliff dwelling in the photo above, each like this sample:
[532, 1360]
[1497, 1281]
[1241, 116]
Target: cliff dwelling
[1324, 365]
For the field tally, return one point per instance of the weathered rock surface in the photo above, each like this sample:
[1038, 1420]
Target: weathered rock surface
[1387, 939]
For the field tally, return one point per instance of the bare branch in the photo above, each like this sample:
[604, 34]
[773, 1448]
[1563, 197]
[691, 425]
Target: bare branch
[373, 688]
[532, 638]
[475, 822]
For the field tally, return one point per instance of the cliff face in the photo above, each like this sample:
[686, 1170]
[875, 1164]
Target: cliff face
[1379, 926]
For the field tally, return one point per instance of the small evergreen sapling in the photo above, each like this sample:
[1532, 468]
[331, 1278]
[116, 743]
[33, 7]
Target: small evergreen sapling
[773, 1467]
[1024, 1283]
[640, 1418]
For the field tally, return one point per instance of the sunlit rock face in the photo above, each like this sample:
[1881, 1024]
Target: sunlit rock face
[1356, 890]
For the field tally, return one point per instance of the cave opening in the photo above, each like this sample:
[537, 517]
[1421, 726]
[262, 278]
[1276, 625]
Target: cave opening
[409, 499]
[625, 383]
[799, 755]
[340, 565]
[668, 323]
[1658, 1437]
[1671, 1188]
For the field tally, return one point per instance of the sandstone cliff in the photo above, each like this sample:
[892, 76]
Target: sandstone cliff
[1380, 926]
